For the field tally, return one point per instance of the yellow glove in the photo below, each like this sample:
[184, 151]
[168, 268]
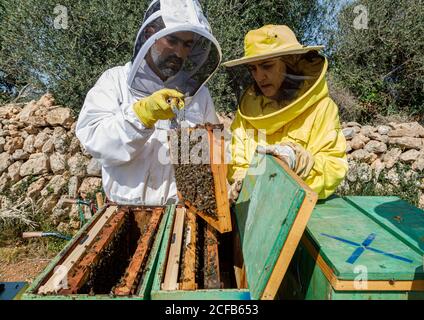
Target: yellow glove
[158, 106]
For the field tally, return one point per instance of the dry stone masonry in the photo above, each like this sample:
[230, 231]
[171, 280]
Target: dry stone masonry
[385, 155]
[41, 159]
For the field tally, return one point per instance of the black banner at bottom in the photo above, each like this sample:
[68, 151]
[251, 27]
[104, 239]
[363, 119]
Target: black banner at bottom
[162, 310]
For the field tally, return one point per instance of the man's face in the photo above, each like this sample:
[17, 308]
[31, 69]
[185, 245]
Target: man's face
[169, 53]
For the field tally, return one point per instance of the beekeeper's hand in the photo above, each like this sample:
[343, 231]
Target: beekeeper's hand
[158, 106]
[234, 191]
[282, 152]
[297, 158]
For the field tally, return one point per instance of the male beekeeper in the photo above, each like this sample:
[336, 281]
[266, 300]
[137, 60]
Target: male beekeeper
[126, 116]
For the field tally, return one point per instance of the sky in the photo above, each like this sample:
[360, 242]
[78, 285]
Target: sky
[330, 22]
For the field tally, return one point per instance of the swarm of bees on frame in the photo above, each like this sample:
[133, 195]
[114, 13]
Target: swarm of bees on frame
[111, 263]
[191, 158]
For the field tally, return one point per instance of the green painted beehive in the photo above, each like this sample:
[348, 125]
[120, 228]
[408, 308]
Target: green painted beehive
[359, 248]
[270, 224]
[142, 291]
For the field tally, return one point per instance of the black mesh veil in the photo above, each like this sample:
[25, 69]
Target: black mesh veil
[302, 72]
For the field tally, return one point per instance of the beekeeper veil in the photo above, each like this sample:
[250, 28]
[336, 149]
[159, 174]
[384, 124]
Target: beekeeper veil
[174, 49]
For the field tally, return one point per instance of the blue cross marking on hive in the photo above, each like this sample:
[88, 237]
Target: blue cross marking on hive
[365, 245]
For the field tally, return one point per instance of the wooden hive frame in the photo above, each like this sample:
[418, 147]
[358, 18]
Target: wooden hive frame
[187, 262]
[188, 279]
[82, 251]
[172, 267]
[212, 279]
[219, 173]
[130, 280]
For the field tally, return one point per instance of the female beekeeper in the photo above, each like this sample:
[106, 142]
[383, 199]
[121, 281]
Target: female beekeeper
[286, 111]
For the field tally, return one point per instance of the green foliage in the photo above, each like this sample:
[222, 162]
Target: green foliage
[231, 20]
[5, 86]
[91, 196]
[101, 35]
[67, 62]
[50, 190]
[350, 108]
[382, 65]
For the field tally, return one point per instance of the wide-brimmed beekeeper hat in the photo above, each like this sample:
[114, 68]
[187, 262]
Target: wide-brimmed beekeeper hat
[270, 41]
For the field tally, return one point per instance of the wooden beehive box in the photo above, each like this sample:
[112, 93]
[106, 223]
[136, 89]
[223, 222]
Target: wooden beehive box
[270, 215]
[203, 186]
[360, 248]
[112, 257]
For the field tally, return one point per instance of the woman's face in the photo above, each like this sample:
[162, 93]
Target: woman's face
[269, 75]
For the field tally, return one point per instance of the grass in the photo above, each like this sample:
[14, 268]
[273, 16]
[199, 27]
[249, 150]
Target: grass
[18, 217]
[36, 248]
[15, 246]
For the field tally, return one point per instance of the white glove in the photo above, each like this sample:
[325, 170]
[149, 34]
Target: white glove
[284, 153]
[234, 191]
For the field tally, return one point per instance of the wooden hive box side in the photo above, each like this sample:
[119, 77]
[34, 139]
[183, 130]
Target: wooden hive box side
[272, 212]
[360, 238]
[144, 287]
[146, 284]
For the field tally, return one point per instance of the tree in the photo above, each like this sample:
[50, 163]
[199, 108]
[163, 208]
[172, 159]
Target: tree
[40, 47]
[64, 49]
[231, 20]
[5, 86]
[382, 60]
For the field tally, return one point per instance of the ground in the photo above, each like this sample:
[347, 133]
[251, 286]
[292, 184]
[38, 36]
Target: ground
[22, 271]
[25, 261]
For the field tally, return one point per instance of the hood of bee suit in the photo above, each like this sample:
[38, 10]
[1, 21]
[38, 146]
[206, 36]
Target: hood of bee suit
[304, 85]
[169, 17]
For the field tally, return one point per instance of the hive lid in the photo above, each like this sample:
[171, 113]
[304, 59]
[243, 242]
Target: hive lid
[382, 236]
[272, 211]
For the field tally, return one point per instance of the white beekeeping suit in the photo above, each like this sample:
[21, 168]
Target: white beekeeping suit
[132, 155]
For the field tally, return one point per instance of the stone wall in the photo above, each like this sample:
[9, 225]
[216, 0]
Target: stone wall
[389, 156]
[43, 163]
